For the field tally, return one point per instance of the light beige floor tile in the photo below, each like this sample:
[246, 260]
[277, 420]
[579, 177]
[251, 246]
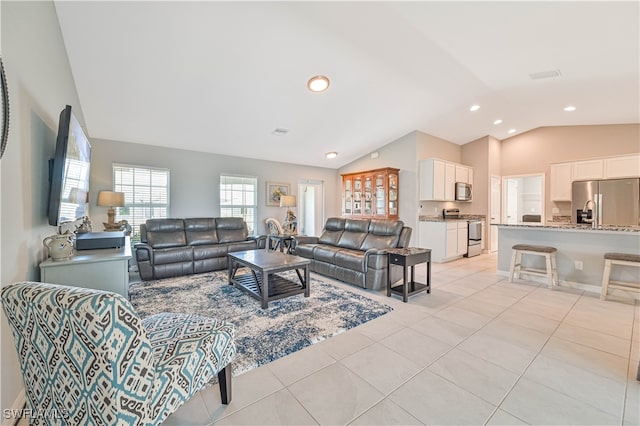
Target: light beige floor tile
[434, 400]
[516, 334]
[300, 364]
[436, 301]
[459, 288]
[532, 321]
[247, 388]
[494, 296]
[594, 339]
[632, 401]
[408, 314]
[602, 320]
[381, 367]
[335, 395]
[443, 330]
[420, 349]
[556, 313]
[505, 354]
[193, 412]
[485, 308]
[541, 405]
[386, 412]
[600, 392]
[502, 418]
[594, 360]
[345, 344]
[380, 327]
[463, 317]
[482, 378]
[280, 408]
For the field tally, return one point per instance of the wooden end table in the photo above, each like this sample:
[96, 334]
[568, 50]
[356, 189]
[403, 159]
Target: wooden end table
[408, 258]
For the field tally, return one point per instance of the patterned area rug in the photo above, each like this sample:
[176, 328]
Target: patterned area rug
[262, 336]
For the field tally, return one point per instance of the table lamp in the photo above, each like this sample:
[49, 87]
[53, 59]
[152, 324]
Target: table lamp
[111, 199]
[289, 224]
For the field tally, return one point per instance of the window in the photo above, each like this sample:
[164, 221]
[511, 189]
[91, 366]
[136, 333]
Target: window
[146, 195]
[238, 198]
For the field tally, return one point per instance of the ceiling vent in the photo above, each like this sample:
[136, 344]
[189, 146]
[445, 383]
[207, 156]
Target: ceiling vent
[545, 74]
[280, 131]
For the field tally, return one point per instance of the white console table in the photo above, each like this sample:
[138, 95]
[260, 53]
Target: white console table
[105, 269]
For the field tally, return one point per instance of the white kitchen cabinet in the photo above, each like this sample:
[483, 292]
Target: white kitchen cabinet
[622, 167]
[462, 235]
[588, 169]
[449, 182]
[447, 240]
[437, 179]
[561, 178]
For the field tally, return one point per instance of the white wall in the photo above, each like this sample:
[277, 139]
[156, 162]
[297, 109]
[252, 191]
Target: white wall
[195, 178]
[40, 85]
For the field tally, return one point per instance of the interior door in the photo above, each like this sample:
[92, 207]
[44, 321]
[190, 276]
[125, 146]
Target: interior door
[311, 210]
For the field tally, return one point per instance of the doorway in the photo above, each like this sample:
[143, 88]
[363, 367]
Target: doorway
[523, 199]
[311, 210]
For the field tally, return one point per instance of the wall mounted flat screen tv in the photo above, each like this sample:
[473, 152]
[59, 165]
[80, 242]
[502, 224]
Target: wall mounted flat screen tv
[69, 172]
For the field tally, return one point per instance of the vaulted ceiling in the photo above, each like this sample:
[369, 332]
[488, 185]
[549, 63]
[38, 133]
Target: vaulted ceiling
[220, 77]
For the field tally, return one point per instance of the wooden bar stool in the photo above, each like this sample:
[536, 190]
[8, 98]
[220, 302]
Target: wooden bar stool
[622, 259]
[549, 253]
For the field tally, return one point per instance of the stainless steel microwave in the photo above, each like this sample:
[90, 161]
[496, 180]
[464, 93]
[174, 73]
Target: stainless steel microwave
[463, 191]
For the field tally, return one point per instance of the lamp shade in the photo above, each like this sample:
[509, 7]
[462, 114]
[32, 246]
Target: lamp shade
[111, 199]
[288, 201]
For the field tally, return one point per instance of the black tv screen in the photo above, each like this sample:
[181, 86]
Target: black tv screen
[69, 172]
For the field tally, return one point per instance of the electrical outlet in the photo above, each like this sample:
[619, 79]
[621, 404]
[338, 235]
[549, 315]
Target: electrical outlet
[578, 265]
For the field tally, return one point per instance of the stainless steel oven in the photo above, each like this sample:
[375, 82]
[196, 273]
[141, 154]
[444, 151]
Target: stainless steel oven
[474, 244]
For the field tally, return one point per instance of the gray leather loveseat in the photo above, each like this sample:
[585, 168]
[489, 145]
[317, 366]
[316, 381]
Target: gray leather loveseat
[353, 250]
[174, 247]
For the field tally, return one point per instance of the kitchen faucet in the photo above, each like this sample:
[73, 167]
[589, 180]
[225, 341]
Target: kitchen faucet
[585, 210]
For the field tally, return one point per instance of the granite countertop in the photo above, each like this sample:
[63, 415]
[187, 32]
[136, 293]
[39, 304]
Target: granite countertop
[573, 227]
[439, 218]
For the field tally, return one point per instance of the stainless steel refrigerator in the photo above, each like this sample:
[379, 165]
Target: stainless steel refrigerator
[606, 202]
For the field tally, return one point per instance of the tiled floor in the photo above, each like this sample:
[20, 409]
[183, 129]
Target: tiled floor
[477, 350]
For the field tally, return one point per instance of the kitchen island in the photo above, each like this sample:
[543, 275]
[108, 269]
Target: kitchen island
[581, 249]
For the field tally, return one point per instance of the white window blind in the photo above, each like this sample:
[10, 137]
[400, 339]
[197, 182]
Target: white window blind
[146, 195]
[238, 198]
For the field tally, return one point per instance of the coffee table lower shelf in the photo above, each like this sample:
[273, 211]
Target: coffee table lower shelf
[412, 288]
[279, 287]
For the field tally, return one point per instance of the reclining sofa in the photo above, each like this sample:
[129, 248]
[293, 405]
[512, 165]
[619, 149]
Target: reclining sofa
[175, 247]
[354, 250]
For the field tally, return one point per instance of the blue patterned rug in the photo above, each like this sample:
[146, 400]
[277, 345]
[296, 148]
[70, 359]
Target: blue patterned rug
[262, 336]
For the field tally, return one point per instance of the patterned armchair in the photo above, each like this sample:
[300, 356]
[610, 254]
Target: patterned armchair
[88, 357]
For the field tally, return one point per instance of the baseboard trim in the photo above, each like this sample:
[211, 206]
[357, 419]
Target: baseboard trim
[17, 407]
[589, 288]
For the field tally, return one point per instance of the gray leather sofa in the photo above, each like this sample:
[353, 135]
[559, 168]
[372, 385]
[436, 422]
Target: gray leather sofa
[175, 247]
[353, 250]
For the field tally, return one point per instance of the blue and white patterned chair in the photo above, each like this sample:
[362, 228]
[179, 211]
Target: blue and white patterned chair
[88, 357]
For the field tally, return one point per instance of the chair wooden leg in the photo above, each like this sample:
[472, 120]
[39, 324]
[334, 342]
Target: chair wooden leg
[224, 380]
[547, 259]
[513, 265]
[605, 279]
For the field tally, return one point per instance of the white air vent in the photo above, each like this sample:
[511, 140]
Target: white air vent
[280, 131]
[545, 74]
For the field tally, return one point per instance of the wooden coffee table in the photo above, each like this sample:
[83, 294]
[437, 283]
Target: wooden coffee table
[263, 282]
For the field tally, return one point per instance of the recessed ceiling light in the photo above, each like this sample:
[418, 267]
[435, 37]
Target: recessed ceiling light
[331, 154]
[319, 83]
[280, 131]
[474, 108]
[511, 131]
[498, 121]
[569, 108]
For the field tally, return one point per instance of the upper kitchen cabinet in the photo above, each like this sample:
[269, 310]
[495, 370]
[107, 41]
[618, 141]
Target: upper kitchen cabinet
[561, 179]
[437, 179]
[622, 167]
[588, 169]
[563, 174]
[371, 194]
